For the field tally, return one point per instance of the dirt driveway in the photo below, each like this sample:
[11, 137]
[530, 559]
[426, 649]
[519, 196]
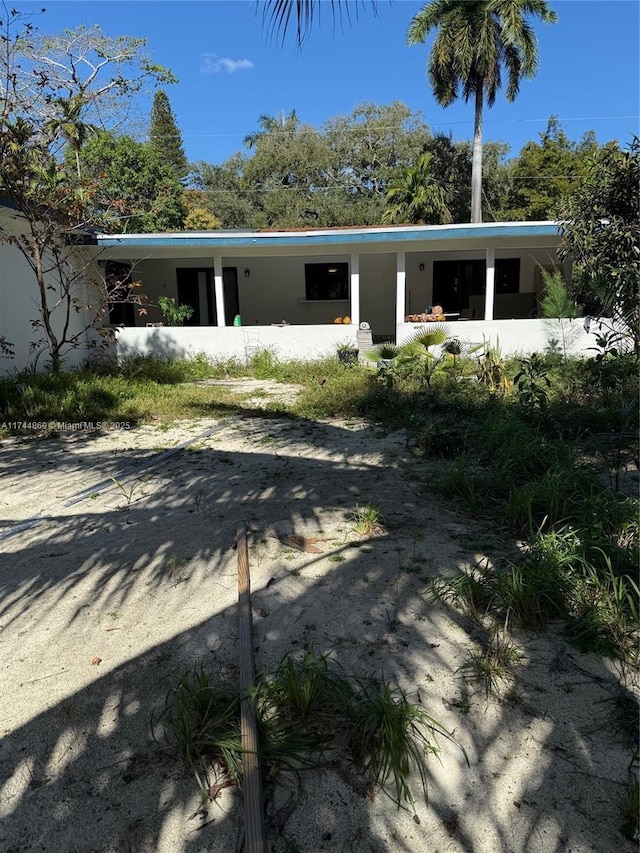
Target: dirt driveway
[108, 599]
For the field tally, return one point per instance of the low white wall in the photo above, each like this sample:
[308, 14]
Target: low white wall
[516, 337]
[286, 342]
[513, 337]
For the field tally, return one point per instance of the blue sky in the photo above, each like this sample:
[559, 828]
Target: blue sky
[230, 72]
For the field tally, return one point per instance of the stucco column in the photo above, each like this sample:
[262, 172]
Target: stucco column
[490, 284]
[219, 289]
[401, 287]
[355, 290]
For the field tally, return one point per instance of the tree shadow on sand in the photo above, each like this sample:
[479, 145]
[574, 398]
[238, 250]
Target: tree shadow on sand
[148, 586]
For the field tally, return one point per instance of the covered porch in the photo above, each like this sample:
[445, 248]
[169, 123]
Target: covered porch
[288, 290]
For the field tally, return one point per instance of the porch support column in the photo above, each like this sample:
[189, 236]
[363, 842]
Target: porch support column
[490, 284]
[401, 287]
[355, 290]
[219, 289]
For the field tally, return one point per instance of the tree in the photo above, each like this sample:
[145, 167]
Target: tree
[287, 173]
[298, 175]
[165, 136]
[475, 41]
[226, 193]
[98, 75]
[601, 234]
[368, 149]
[67, 121]
[199, 219]
[451, 167]
[135, 191]
[199, 216]
[52, 90]
[416, 197]
[545, 171]
[278, 15]
[271, 124]
[558, 309]
[49, 207]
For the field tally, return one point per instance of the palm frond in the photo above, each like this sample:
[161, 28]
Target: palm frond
[431, 336]
[382, 351]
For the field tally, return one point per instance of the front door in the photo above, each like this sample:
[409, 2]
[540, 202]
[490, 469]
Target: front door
[195, 288]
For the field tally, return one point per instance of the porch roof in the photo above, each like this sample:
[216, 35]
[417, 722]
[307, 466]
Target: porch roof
[326, 237]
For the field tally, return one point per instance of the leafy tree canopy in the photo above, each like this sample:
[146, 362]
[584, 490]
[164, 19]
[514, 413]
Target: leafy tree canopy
[296, 174]
[134, 190]
[601, 235]
[546, 170]
[416, 196]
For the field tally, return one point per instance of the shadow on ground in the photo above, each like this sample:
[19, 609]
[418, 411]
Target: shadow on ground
[148, 586]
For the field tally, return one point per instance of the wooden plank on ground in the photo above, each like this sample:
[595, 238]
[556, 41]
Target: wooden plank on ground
[254, 834]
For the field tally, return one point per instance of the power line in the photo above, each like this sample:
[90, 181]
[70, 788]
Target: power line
[375, 127]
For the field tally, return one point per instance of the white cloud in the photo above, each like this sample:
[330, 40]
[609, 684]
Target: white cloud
[214, 64]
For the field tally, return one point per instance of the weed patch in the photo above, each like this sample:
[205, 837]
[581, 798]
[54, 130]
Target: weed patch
[309, 715]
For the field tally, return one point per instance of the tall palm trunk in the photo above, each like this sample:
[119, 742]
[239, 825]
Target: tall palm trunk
[476, 163]
[77, 153]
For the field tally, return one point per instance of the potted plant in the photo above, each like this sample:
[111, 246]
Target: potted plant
[347, 353]
[175, 315]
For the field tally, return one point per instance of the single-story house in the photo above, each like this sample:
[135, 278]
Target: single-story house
[283, 289]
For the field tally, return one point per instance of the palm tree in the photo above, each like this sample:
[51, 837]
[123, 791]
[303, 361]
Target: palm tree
[271, 124]
[416, 197]
[277, 14]
[475, 40]
[67, 123]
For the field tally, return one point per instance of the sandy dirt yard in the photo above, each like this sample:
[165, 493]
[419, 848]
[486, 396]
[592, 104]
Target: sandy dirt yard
[142, 578]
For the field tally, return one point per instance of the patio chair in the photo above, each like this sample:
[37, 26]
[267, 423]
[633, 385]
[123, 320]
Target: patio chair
[251, 342]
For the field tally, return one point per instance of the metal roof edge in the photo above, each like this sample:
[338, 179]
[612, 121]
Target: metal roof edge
[374, 234]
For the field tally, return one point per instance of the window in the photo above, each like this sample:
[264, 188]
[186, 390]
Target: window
[120, 294]
[326, 281]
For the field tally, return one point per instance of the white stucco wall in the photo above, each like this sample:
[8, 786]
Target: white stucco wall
[288, 342]
[19, 307]
[515, 337]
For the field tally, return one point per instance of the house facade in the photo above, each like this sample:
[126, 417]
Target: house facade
[285, 289]
[289, 287]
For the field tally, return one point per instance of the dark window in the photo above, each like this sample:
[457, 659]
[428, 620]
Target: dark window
[507, 275]
[326, 281]
[122, 310]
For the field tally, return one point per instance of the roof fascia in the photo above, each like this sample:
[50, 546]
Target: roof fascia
[253, 239]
